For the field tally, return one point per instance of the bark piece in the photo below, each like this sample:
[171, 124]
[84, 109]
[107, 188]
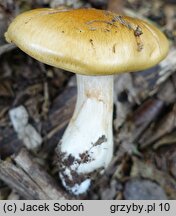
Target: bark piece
[29, 179]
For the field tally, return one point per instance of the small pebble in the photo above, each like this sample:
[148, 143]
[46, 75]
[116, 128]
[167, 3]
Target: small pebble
[143, 189]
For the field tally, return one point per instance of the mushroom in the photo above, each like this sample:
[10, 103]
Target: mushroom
[95, 45]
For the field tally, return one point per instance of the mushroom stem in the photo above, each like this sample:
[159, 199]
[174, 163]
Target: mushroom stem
[87, 144]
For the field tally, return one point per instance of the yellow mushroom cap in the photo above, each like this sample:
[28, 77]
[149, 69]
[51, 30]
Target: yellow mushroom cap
[88, 41]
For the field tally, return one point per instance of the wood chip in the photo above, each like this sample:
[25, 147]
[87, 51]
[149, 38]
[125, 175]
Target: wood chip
[29, 179]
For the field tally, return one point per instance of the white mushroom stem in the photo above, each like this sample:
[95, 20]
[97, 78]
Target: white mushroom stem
[87, 144]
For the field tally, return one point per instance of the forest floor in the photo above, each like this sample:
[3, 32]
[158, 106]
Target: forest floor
[144, 120]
